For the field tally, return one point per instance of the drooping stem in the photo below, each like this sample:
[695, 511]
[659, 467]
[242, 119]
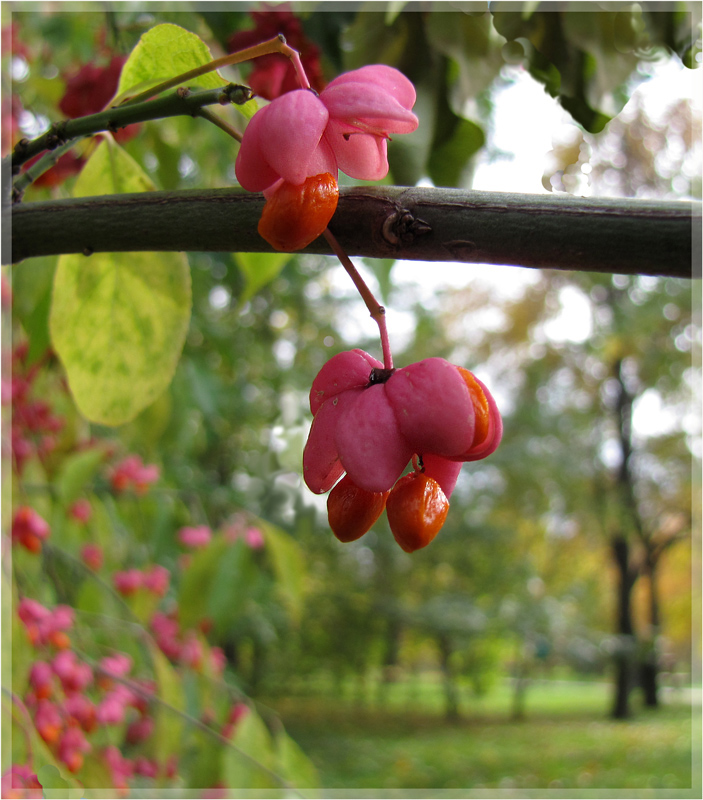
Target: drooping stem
[222, 124]
[377, 311]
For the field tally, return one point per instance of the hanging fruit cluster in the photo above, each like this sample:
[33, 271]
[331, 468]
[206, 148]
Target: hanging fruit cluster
[371, 422]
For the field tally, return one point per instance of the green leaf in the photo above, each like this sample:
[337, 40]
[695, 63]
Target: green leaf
[164, 52]
[169, 724]
[248, 109]
[51, 781]
[449, 160]
[295, 766]
[118, 320]
[196, 582]
[229, 590]
[288, 566]
[31, 301]
[259, 269]
[76, 471]
[251, 738]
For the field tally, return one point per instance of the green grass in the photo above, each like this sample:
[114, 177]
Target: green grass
[566, 742]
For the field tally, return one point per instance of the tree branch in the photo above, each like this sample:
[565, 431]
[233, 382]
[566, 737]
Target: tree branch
[538, 231]
[180, 103]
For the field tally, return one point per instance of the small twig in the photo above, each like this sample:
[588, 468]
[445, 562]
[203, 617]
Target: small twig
[377, 311]
[205, 113]
[45, 163]
[275, 45]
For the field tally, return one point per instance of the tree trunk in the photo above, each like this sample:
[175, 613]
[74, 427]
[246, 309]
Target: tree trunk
[625, 653]
[389, 667]
[649, 667]
[451, 695]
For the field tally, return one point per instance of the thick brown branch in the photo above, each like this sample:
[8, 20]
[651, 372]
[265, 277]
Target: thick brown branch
[539, 231]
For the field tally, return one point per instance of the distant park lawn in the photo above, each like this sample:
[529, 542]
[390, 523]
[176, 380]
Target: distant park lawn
[565, 742]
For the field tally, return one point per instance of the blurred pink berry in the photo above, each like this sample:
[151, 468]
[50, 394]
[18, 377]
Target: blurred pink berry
[41, 679]
[156, 580]
[32, 612]
[236, 713]
[218, 660]
[44, 626]
[146, 767]
[81, 510]
[196, 537]
[132, 473]
[171, 769]
[192, 653]
[120, 767]
[111, 709]
[92, 556]
[128, 582]
[117, 665]
[254, 538]
[71, 747]
[139, 730]
[48, 721]
[74, 675]
[164, 625]
[79, 707]
[20, 781]
[29, 529]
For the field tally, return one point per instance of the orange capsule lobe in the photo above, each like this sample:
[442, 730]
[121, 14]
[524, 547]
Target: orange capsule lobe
[416, 509]
[295, 215]
[480, 404]
[352, 511]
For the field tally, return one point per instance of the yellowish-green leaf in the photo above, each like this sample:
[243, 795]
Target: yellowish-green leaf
[52, 782]
[295, 766]
[118, 320]
[164, 52]
[259, 269]
[76, 471]
[249, 764]
[249, 108]
[169, 724]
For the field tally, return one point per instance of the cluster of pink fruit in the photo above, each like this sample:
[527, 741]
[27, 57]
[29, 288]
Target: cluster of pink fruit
[370, 422]
[69, 699]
